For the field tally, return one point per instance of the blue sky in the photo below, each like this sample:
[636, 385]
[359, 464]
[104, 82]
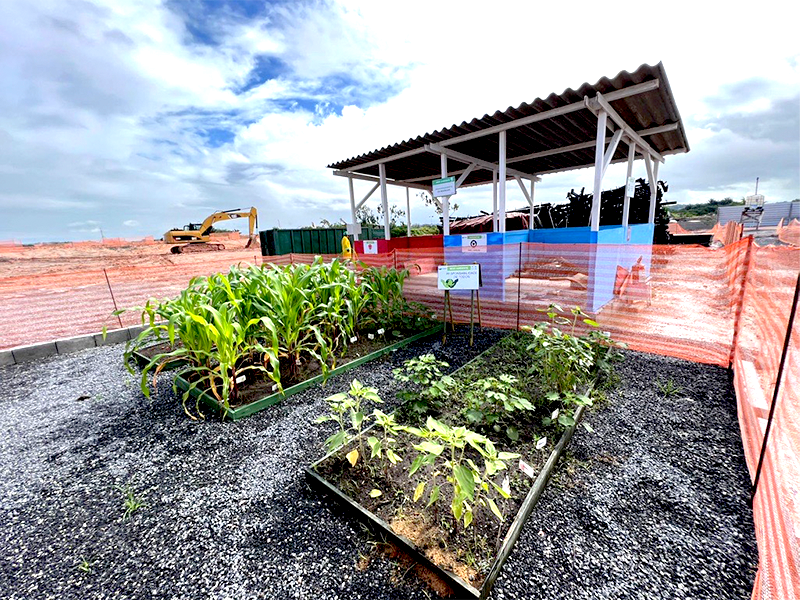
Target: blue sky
[137, 116]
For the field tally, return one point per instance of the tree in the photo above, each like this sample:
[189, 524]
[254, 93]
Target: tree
[367, 218]
[434, 202]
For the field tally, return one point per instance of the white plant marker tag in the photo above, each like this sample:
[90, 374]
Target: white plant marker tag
[240, 378]
[526, 468]
[554, 416]
[381, 331]
[506, 487]
[370, 336]
[353, 339]
[541, 443]
[274, 387]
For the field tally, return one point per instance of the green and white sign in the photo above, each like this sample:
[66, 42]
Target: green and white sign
[474, 242]
[459, 277]
[444, 187]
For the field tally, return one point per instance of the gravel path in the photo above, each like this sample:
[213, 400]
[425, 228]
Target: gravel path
[653, 505]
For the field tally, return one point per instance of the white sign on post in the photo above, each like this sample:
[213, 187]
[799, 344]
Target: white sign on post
[370, 246]
[354, 228]
[475, 242]
[459, 277]
[444, 187]
[630, 190]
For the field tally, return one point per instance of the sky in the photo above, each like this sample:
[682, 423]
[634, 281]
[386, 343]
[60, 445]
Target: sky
[129, 117]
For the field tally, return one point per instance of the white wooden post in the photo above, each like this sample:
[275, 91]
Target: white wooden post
[408, 213]
[387, 233]
[502, 175]
[599, 151]
[353, 205]
[530, 216]
[445, 200]
[654, 193]
[626, 206]
[494, 201]
[648, 164]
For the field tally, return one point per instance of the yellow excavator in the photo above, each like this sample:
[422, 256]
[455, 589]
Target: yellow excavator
[195, 237]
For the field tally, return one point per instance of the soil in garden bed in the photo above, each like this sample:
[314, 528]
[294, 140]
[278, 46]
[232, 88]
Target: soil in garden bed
[470, 552]
[160, 348]
[257, 385]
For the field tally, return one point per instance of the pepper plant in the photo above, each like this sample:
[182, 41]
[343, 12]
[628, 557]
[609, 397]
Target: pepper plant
[492, 400]
[427, 371]
[444, 449]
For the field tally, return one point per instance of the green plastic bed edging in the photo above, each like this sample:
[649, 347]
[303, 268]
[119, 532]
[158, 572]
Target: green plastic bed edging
[253, 407]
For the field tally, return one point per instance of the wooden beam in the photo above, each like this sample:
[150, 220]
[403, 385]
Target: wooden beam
[626, 205]
[585, 145]
[465, 174]
[374, 179]
[600, 102]
[484, 164]
[599, 154]
[612, 148]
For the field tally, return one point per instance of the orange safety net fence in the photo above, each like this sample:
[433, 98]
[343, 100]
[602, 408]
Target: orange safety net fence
[725, 306]
[789, 233]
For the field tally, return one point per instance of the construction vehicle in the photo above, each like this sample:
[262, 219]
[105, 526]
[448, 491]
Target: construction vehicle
[195, 237]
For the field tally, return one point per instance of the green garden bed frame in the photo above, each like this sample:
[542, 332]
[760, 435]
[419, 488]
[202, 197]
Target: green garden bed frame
[235, 414]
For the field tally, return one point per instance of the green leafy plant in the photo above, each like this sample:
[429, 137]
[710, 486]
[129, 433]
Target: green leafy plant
[426, 371]
[85, 565]
[668, 387]
[347, 412]
[492, 400]
[444, 450]
[131, 500]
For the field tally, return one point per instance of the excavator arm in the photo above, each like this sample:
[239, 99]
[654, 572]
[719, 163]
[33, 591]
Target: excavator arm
[198, 236]
[235, 213]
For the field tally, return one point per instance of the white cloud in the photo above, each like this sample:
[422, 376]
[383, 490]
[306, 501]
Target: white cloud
[114, 111]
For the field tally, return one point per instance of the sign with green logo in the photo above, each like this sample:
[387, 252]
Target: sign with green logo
[444, 187]
[474, 242]
[459, 277]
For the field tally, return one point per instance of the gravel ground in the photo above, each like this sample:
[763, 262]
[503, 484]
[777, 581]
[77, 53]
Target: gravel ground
[652, 505]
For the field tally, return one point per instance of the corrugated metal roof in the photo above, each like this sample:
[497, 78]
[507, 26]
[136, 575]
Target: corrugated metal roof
[642, 111]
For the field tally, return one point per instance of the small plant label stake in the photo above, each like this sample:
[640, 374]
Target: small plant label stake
[541, 443]
[241, 379]
[353, 339]
[370, 336]
[381, 331]
[526, 468]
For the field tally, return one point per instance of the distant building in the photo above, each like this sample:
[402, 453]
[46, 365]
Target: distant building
[773, 213]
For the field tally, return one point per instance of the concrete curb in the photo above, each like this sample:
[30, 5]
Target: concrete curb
[23, 354]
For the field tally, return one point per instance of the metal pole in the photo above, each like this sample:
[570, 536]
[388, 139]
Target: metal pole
[786, 342]
[110, 291]
[495, 220]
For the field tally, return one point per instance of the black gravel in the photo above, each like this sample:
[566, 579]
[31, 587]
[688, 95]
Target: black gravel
[652, 505]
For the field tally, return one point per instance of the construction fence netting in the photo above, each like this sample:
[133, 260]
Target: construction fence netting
[726, 306]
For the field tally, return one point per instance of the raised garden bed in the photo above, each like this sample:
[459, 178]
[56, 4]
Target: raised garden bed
[265, 401]
[142, 356]
[468, 560]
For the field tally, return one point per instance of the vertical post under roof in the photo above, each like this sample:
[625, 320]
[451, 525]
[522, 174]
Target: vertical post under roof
[408, 213]
[502, 175]
[445, 199]
[530, 215]
[599, 151]
[387, 233]
[494, 201]
[626, 206]
[651, 181]
[353, 206]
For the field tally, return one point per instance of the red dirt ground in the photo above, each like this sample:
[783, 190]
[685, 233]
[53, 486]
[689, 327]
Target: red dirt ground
[53, 291]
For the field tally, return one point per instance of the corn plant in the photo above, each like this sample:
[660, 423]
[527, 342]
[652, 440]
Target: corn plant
[443, 449]
[492, 400]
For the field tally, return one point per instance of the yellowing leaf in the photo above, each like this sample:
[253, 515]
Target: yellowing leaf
[418, 491]
[352, 457]
[375, 493]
